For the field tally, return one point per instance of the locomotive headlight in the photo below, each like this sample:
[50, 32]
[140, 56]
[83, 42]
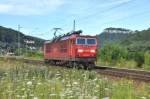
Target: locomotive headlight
[80, 50]
[93, 51]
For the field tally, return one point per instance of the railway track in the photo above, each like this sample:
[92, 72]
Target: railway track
[125, 73]
[139, 75]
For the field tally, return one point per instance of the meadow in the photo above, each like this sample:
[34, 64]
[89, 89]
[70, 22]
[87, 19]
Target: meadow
[24, 81]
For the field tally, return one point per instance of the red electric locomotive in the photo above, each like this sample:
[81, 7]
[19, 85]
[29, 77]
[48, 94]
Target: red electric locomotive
[72, 49]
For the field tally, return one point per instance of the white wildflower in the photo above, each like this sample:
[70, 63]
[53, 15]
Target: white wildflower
[95, 97]
[63, 81]
[6, 73]
[105, 98]
[23, 89]
[35, 97]
[95, 79]
[52, 94]
[23, 96]
[31, 95]
[18, 96]
[62, 95]
[95, 90]
[70, 97]
[106, 89]
[68, 85]
[97, 86]
[75, 83]
[29, 83]
[143, 97]
[58, 74]
[39, 83]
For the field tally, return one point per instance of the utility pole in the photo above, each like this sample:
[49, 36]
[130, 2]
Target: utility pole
[19, 27]
[74, 25]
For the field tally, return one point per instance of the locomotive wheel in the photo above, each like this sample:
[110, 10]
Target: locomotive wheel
[81, 66]
[69, 64]
[74, 65]
[52, 62]
[46, 61]
[90, 66]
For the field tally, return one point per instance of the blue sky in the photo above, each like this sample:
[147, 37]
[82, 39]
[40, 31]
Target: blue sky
[38, 17]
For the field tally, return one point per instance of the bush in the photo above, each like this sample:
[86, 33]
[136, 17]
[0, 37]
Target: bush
[147, 60]
[112, 53]
[139, 58]
[34, 54]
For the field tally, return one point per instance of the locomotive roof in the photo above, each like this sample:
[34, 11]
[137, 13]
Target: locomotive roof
[66, 36]
[86, 36]
[69, 35]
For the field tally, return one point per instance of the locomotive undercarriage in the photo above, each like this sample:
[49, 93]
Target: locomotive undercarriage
[85, 64]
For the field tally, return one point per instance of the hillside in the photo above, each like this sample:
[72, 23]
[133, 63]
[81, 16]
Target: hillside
[134, 41]
[9, 40]
[113, 35]
[140, 40]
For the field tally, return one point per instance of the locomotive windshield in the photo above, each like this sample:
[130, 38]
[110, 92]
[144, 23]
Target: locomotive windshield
[80, 41]
[86, 41]
[91, 41]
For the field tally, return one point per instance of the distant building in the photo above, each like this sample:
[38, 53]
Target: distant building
[117, 30]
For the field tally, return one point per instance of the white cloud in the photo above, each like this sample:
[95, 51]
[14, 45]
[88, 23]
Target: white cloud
[5, 7]
[40, 7]
[29, 7]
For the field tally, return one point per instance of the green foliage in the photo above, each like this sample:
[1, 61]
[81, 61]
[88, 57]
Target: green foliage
[116, 55]
[19, 51]
[138, 41]
[9, 40]
[34, 54]
[124, 90]
[139, 58]
[132, 49]
[147, 60]
[112, 53]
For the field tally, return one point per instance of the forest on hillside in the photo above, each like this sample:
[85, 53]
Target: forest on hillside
[130, 52]
[9, 40]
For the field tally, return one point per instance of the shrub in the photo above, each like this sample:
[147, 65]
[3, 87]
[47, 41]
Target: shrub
[112, 53]
[139, 58]
[34, 54]
[147, 60]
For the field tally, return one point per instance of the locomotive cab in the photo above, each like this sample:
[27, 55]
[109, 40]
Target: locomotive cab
[86, 49]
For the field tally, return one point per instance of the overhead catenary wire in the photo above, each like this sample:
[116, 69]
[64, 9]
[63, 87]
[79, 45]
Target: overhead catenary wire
[97, 13]
[110, 9]
[127, 17]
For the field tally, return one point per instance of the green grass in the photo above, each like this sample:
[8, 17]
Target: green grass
[34, 55]
[23, 81]
[124, 64]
